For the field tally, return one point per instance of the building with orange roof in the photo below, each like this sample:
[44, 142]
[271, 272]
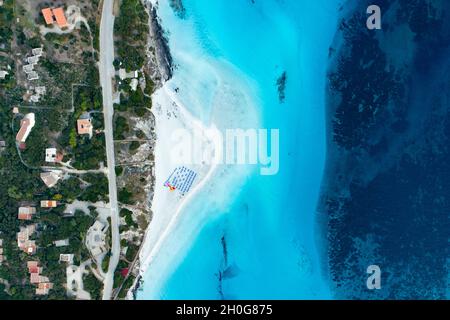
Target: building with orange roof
[43, 283]
[60, 17]
[26, 213]
[26, 125]
[33, 266]
[34, 278]
[59, 157]
[46, 285]
[48, 15]
[44, 288]
[48, 204]
[84, 125]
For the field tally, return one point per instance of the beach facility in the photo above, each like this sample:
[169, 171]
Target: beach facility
[181, 179]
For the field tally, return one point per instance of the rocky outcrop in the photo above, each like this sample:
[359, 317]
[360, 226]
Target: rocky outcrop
[160, 60]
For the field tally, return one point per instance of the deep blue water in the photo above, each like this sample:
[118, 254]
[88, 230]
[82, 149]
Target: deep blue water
[269, 229]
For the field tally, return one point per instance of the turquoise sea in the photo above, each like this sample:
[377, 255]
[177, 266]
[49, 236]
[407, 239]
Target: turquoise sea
[265, 244]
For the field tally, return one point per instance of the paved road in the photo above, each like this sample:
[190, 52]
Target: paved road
[106, 69]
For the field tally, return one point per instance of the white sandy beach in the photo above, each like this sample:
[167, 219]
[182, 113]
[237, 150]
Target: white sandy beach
[167, 206]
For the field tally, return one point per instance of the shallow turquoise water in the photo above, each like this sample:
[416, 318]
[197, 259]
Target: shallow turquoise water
[269, 228]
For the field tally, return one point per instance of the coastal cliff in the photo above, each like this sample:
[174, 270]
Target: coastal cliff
[384, 198]
[159, 62]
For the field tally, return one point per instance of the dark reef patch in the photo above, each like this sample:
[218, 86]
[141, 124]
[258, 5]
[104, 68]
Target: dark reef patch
[227, 271]
[281, 85]
[224, 249]
[178, 7]
[386, 192]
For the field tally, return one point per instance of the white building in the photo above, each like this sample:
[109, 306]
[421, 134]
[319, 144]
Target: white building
[134, 83]
[123, 74]
[33, 59]
[33, 75]
[28, 68]
[37, 51]
[51, 178]
[40, 90]
[35, 98]
[50, 155]
[61, 243]
[66, 257]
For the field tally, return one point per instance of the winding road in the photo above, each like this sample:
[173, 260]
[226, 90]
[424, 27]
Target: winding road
[107, 72]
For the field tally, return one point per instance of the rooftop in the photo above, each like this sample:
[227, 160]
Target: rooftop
[33, 59]
[37, 51]
[84, 126]
[3, 74]
[26, 213]
[33, 75]
[51, 178]
[48, 204]
[50, 154]
[28, 68]
[48, 15]
[26, 125]
[61, 243]
[66, 257]
[34, 278]
[60, 17]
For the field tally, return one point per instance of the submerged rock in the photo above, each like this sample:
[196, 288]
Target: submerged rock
[178, 7]
[281, 84]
